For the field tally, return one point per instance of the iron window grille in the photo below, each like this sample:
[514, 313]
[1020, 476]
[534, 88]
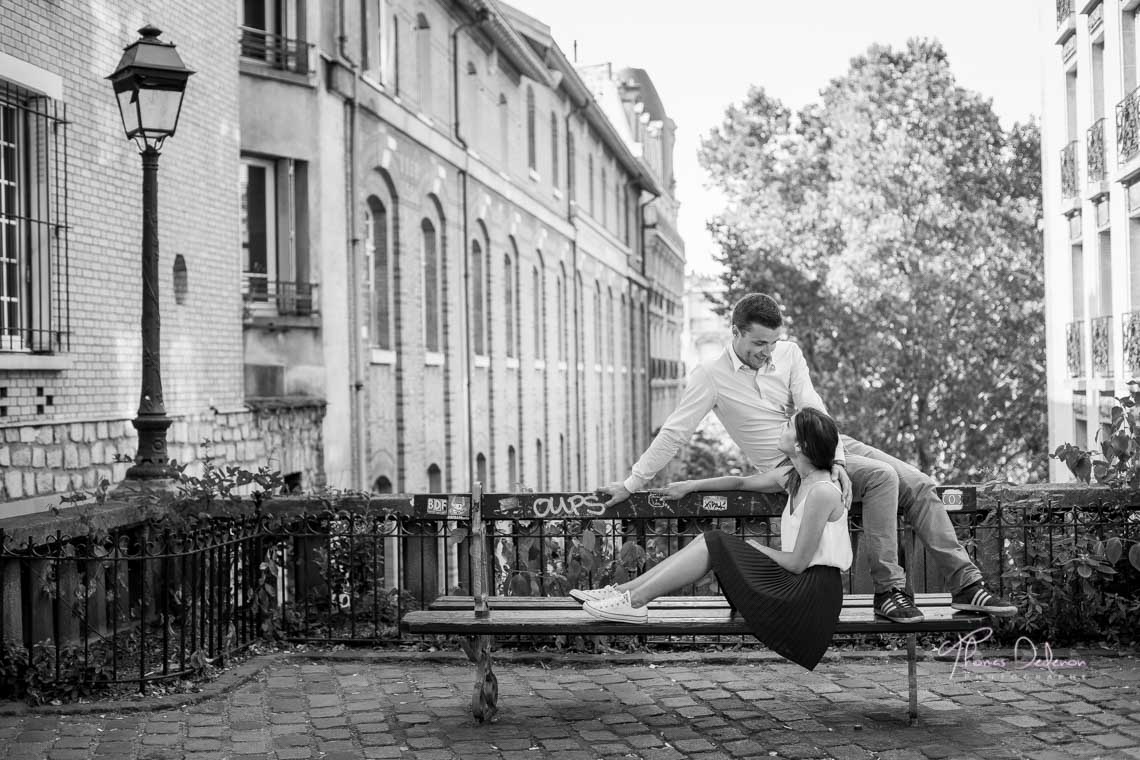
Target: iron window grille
[34, 305]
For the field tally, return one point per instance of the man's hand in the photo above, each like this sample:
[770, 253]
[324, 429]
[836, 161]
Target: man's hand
[840, 477]
[675, 490]
[616, 491]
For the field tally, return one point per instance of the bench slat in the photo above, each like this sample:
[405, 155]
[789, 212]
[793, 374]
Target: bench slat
[465, 603]
[663, 621]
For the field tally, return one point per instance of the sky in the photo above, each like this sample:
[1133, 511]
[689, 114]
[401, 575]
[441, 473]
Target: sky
[703, 57]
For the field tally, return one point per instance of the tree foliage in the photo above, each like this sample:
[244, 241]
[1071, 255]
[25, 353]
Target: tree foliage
[898, 224]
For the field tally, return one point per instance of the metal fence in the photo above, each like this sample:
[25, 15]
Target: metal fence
[154, 603]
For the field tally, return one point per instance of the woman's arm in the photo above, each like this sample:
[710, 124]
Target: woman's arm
[770, 481]
[817, 508]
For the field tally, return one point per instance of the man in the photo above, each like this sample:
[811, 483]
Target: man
[754, 388]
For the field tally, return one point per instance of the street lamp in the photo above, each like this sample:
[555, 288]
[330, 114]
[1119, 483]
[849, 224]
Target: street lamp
[149, 83]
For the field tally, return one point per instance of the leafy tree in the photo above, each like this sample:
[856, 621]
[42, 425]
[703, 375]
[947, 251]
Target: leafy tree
[898, 224]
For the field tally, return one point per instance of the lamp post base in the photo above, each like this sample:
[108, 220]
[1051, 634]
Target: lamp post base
[161, 487]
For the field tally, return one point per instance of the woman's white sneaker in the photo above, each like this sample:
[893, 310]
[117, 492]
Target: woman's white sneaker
[617, 608]
[593, 594]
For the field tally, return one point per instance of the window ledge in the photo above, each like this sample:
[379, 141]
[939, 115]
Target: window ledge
[482, 360]
[512, 362]
[557, 193]
[540, 364]
[433, 358]
[534, 175]
[41, 362]
[562, 366]
[262, 70]
[383, 356]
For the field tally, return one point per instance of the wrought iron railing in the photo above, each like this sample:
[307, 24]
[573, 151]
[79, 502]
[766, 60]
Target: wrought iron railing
[1069, 184]
[1128, 127]
[152, 603]
[1075, 348]
[279, 52]
[297, 299]
[1102, 346]
[1095, 144]
[1064, 11]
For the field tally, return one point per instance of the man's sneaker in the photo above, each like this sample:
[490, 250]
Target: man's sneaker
[897, 605]
[617, 608]
[593, 594]
[977, 598]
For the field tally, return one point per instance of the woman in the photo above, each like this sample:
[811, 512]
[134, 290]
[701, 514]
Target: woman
[790, 599]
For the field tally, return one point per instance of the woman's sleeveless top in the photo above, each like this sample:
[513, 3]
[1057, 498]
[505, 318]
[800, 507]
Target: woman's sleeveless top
[835, 542]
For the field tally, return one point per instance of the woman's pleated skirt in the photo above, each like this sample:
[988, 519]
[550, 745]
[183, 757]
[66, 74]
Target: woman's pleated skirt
[794, 615]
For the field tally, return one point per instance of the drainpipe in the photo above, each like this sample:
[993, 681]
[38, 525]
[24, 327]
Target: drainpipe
[647, 386]
[481, 16]
[356, 364]
[573, 289]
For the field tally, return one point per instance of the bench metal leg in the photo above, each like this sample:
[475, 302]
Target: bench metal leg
[912, 679]
[485, 699]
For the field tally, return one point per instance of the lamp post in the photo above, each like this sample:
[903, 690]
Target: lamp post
[149, 83]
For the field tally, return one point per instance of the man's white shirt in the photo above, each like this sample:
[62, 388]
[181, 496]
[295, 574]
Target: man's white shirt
[753, 405]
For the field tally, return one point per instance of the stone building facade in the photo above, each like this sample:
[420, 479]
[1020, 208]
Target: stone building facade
[1091, 202]
[472, 222]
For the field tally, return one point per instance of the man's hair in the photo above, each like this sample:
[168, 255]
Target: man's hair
[757, 308]
[817, 435]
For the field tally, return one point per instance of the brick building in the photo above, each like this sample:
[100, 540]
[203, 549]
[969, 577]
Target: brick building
[70, 274]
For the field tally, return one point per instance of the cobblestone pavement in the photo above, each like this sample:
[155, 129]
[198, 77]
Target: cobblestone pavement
[336, 710]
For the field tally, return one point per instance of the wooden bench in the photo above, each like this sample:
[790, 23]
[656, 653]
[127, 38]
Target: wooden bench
[477, 619]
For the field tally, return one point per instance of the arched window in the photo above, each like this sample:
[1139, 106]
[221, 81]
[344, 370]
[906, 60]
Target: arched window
[570, 175]
[512, 469]
[382, 485]
[563, 316]
[435, 479]
[625, 217]
[423, 63]
[539, 466]
[481, 470]
[598, 340]
[380, 280]
[624, 328]
[554, 149]
[605, 200]
[590, 180]
[611, 327]
[433, 312]
[478, 316]
[394, 52]
[539, 317]
[509, 296]
[530, 151]
[564, 462]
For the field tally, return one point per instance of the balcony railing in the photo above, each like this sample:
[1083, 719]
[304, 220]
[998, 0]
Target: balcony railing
[1128, 127]
[281, 53]
[1069, 188]
[1064, 11]
[1130, 335]
[1096, 157]
[292, 299]
[1075, 348]
[1102, 346]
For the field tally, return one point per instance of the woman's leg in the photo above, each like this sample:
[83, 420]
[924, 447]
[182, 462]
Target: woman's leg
[687, 566]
